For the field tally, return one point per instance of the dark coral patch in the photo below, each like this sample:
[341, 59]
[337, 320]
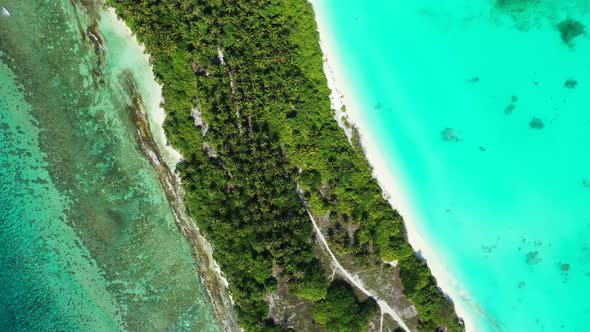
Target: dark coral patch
[509, 109]
[571, 84]
[532, 258]
[449, 135]
[515, 4]
[536, 123]
[570, 29]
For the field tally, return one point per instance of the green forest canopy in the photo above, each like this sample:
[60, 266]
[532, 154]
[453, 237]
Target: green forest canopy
[269, 126]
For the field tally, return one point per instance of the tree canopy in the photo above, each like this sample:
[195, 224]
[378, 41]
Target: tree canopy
[248, 106]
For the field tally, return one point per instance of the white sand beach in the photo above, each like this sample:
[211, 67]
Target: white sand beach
[151, 91]
[386, 174]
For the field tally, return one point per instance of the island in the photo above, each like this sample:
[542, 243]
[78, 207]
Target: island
[299, 226]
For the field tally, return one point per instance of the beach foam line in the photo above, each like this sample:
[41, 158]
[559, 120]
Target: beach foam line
[386, 175]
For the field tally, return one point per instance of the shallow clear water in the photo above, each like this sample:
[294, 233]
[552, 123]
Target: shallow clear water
[89, 240]
[468, 102]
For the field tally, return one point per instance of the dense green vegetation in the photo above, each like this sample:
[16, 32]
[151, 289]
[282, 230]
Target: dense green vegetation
[342, 311]
[268, 127]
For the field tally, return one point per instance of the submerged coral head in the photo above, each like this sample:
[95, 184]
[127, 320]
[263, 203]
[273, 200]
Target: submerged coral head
[449, 135]
[532, 258]
[570, 29]
[571, 84]
[536, 123]
[515, 4]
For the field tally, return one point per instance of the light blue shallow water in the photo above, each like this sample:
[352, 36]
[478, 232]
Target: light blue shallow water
[506, 206]
[89, 241]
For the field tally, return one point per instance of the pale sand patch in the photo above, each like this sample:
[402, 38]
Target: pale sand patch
[151, 91]
[386, 174]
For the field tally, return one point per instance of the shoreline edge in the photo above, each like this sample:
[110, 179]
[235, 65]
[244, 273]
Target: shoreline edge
[164, 159]
[342, 95]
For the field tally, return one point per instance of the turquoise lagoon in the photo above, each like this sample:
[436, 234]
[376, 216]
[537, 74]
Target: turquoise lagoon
[88, 237]
[482, 112]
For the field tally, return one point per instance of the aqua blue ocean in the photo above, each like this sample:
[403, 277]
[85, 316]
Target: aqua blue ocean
[483, 109]
[88, 237]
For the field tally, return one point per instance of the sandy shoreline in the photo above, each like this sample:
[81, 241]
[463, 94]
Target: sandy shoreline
[164, 159]
[386, 175]
[152, 100]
